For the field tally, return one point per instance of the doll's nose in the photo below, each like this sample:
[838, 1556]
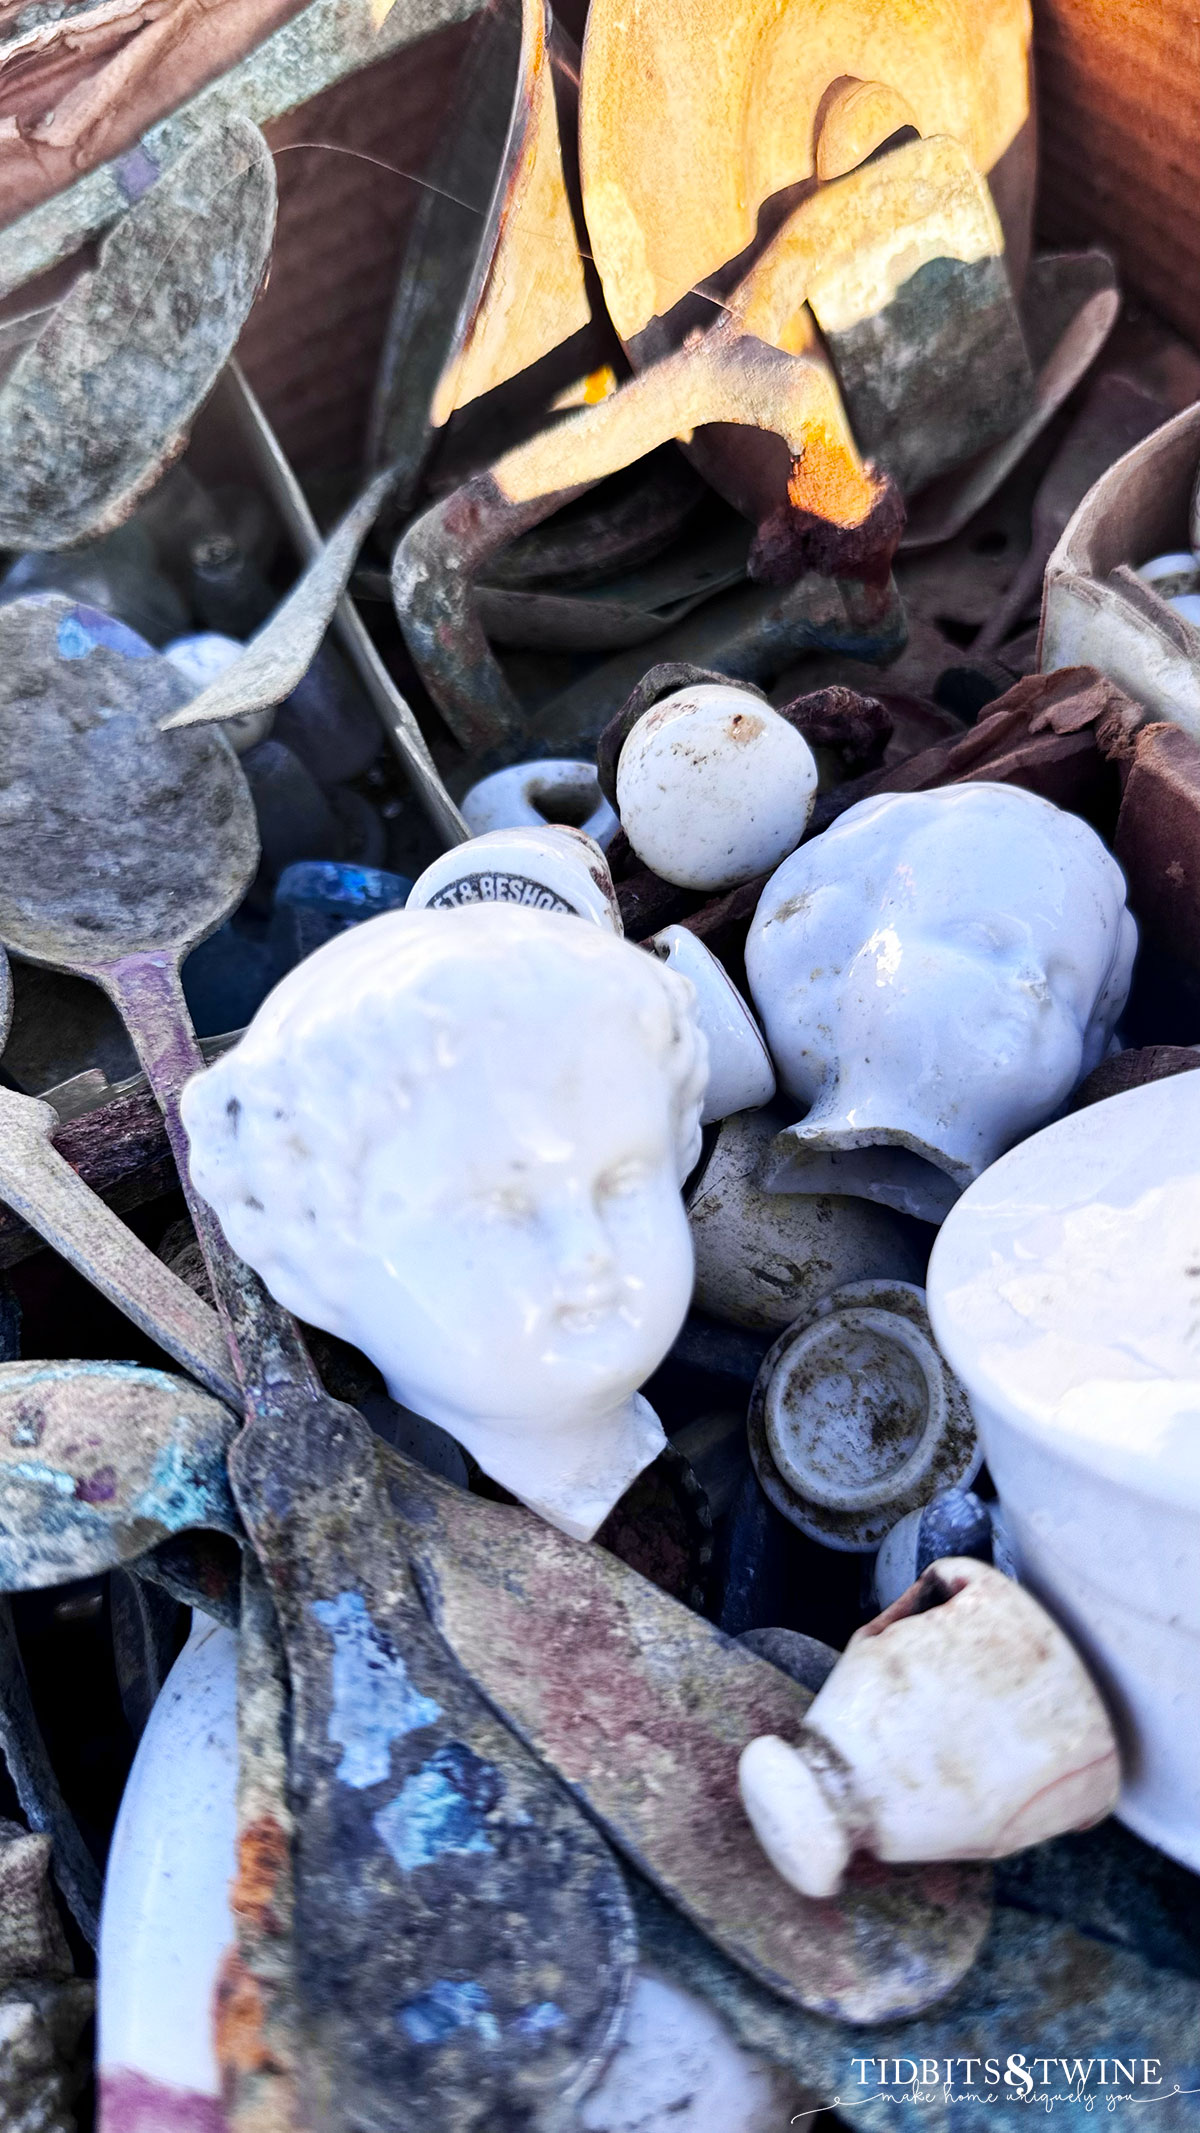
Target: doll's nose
[585, 1266]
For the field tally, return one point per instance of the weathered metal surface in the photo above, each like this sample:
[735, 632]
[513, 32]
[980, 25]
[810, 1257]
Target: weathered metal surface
[326, 41]
[44, 2010]
[462, 1942]
[98, 1463]
[40, 1185]
[1068, 309]
[289, 500]
[146, 1637]
[92, 413]
[37, 1788]
[643, 1708]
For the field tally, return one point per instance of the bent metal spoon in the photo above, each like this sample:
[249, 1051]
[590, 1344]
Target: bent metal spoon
[463, 1941]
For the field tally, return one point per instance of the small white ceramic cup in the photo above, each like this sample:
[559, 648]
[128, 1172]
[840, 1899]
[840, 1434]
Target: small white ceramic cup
[740, 1074]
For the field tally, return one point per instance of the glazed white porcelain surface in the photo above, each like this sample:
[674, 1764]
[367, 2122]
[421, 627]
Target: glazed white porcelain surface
[678, 2069]
[1064, 1290]
[963, 1729]
[935, 974]
[456, 1138]
[200, 658]
[740, 1074]
[528, 795]
[713, 787]
[166, 1923]
[763, 1258]
[545, 869]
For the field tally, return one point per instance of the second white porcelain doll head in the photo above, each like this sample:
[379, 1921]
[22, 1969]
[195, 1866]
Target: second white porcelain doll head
[457, 1139]
[935, 974]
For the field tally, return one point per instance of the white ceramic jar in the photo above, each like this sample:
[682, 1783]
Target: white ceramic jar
[1065, 1290]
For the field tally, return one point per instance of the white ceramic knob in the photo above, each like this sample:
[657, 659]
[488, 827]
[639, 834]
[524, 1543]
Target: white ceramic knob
[546, 869]
[713, 787]
[740, 1074]
[528, 795]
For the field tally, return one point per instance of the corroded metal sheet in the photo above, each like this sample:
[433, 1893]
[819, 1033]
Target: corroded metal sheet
[643, 1708]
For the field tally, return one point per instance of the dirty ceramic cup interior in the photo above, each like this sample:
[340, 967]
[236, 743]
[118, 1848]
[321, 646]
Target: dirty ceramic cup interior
[856, 1419]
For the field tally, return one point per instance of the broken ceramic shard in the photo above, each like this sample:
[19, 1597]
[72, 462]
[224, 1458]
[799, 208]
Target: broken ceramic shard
[765, 1258]
[167, 1924]
[856, 1418]
[740, 1074]
[960, 1724]
[551, 868]
[456, 1138]
[935, 974]
[713, 787]
[531, 794]
[1065, 1294]
[102, 402]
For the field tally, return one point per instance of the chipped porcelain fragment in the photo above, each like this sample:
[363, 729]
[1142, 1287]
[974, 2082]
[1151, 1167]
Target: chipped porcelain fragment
[740, 1074]
[765, 1258]
[714, 787]
[456, 1139]
[960, 1724]
[546, 869]
[935, 974]
[528, 795]
[677, 2068]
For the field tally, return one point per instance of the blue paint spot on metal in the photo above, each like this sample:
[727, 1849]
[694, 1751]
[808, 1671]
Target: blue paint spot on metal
[136, 172]
[438, 1809]
[85, 628]
[46, 1477]
[374, 1702]
[189, 1490]
[540, 2020]
[446, 2008]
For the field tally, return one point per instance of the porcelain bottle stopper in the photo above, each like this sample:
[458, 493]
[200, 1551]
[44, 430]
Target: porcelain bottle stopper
[713, 787]
[856, 1418]
[528, 795]
[740, 1074]
[456, 1139]
[935, 974]
[764, 1258]
[546, 869]
[960, 1724]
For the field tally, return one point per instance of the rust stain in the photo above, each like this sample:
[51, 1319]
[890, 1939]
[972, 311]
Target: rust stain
[239, 2020]
[263, 1863]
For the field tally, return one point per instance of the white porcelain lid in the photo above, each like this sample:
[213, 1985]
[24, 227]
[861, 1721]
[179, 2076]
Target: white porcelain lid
[1064, 1287]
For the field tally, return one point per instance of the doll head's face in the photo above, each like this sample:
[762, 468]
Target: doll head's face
[939, 970]
[456, 1138]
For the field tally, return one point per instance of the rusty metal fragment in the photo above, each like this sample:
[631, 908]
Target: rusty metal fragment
[101, 1461]
[643, 1708]
[92, 413]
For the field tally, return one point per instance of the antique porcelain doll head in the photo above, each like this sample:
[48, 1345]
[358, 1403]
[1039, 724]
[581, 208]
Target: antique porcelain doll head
[935, 973]
[456, 1138]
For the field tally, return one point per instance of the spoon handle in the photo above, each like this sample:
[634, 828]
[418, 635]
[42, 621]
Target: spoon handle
[41, 1187]
[268, 1353]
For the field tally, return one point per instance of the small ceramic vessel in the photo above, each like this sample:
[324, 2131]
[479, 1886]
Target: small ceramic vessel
[456, 1138]
[740, 1074]
[765, 1258]
[714, 787]
[856, 1418]
[528, 795]
[935, 974]
[1064, 1290]
[545, 869]
[959, 1724]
